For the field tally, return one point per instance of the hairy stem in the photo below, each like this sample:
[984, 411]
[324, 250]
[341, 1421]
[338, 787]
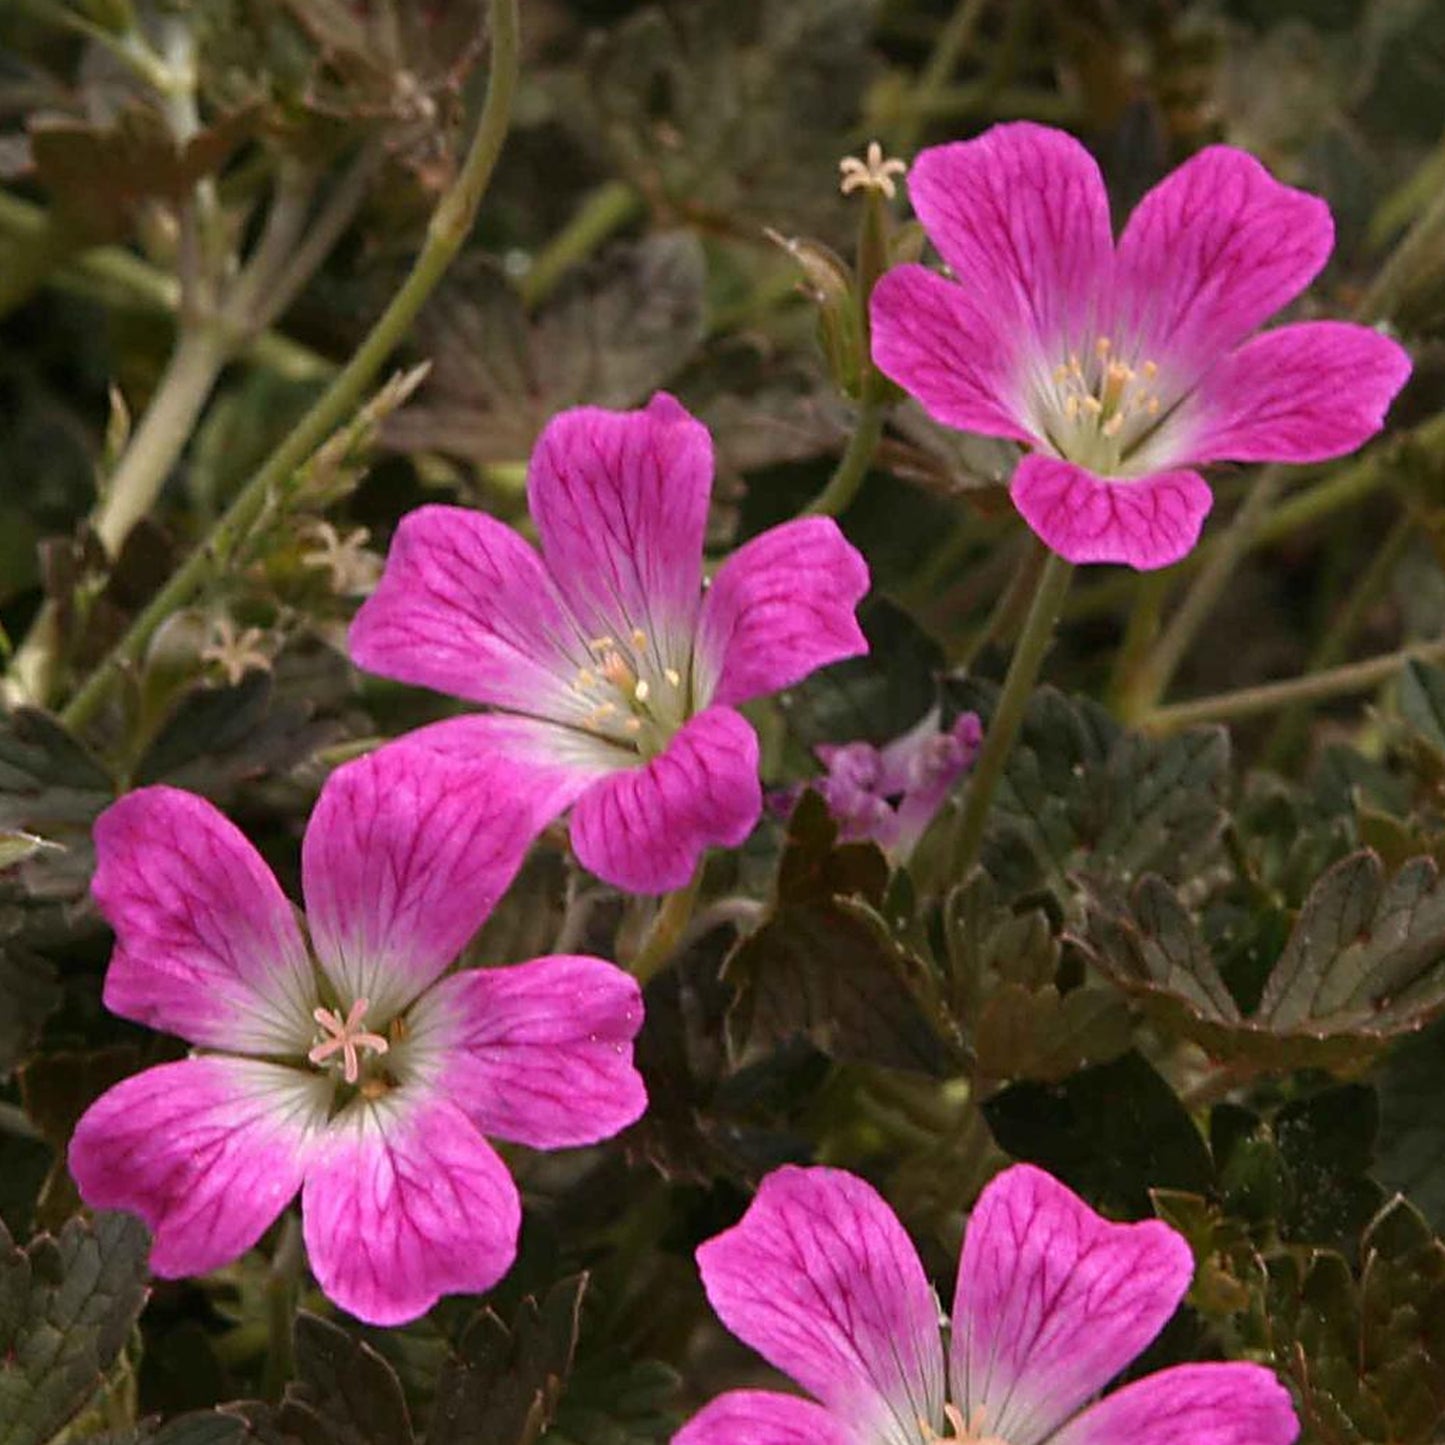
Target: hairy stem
[665, 931]
[852, 467]
[998, 738]
[449, 226]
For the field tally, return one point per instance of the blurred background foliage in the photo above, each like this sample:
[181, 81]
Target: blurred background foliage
[1197, 972]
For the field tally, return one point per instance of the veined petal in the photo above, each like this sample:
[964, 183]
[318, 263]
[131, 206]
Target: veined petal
[1211, 253]
[1146, 522]
[539, 1053]
[1053, 1301]
[620, 500]
[783, 605]
[466, 607]
[405, 855]
[406, 1202]
[1022, 218]
[761, 1417]
[207, 946]
[820, 1279]
[936, 340]
[644, 829]
[1297, 394]
[1209, 1404]
[207, 1151]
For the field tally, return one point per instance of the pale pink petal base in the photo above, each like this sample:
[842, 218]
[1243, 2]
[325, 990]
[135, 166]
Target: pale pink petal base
[781, 606]
[821, 1280]
[404, 1203]
[207, 1151]
[1298, 394]
[1143, 522]
[405, 855]
[539, 1053]
[1052, 1302]
[760, 1417]
[1209, 1404]
[207, 945]
[934, 339]
[645, 829]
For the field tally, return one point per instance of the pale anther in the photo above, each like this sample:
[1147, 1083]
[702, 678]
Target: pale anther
[673, 676]
[872, 173]
[641, 691]
[346, 1037]
[639, 637]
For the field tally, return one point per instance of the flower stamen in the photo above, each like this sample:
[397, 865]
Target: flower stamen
[870, 173]
[346, 1037]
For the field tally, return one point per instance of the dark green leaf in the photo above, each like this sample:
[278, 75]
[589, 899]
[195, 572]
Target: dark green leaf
[344, 1394]
[67, 1304]
[1364, 962]
[1411, 1081]
[1113, 1132]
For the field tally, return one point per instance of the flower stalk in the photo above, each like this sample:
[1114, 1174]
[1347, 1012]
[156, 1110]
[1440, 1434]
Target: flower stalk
[449, 226]
[665, 932]
[1003, 727]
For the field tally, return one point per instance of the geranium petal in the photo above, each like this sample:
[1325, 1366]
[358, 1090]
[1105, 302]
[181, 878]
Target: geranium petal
[1210, 254]
[207, 1151]
[1021, 216]
[466, 607]
[539, 1053]
[761, 1417]
[820, 1279]
[207, 946]
[940, 345]
[1053, 1301]
[644, 829]
[1209, 1404]
[1145, 522]
[1297, 394]
[620, 500]
[405, 855]
[406, 1202]
[781, 606]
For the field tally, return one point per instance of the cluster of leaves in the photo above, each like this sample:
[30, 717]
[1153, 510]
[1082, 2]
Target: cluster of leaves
[1197, 975]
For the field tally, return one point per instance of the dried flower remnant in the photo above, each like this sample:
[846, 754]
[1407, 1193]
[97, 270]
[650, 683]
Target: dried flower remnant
[1124, 367]
[891, 794]
[614, 678]
[236, 653]
[353, 570]
[1052, 1302]
[355, 1072]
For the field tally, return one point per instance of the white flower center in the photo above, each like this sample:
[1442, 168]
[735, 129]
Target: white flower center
[632, 694]
[971, 1430]
[1099, 408]
[346, 1037]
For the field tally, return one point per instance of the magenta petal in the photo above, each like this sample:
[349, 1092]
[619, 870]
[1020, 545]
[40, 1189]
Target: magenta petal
[207, 945]
[1146, 522]
[1053, 1301]
[781, 606]
[620, 500]
[1211, 253]
[207, 1151]
[406, 1202]
[539, 1053]
[644, 829]
[761, 1417]
[1209, 1404]
[940, 345]
[820, 1279]
[466, 607]
[1022, 218]
[405, 855]
[1298, 394]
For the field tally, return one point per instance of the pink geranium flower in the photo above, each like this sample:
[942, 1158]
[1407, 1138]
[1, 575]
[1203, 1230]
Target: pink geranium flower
[353, 1072]
[615, 677]
[1052, 1302]
[1124, 367]
[891, 794]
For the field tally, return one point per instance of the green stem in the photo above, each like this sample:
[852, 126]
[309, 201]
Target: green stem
[1270, 696]
[602, 213]
[998, 738]
[665, 931]
[1009, 609]
[449, 227]
[952, 41]
[283, 1289]
[852, 467]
